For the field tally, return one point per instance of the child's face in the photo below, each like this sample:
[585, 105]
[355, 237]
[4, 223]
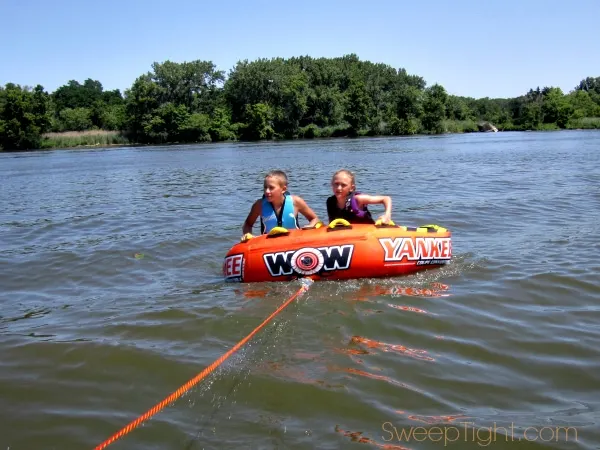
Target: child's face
[342, 185]
[273, 189]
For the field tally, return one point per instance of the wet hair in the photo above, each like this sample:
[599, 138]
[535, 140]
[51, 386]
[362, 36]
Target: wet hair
[345, 172]
[280, 175]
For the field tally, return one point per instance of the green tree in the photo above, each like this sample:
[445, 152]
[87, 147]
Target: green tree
[90, 95]
[408, 101]
[195, 128]
[74, 95]
[589, 84]
[220, 127]
[113, 117]
[583, 105]
[259, 122]
[192, 84]
[160, 103]
[142, 101]
[556, 108]
[533, 115]
[24, 117]
[324, 106]
[75, 119]
[357, 106]
[457, 109]
[434, 109]
[293, 104]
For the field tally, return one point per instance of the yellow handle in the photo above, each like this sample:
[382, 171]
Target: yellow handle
[278, 230]
[337, 222]
[246, 237]
[437, 228]
[379, 222]
[319, 224]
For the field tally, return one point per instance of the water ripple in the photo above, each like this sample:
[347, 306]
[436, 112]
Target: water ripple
[112, 297]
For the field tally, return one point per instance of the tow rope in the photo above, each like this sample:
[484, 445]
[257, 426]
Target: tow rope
[306, 282]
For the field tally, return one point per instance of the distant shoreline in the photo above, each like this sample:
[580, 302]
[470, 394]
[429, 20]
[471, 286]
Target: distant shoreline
[71, 135]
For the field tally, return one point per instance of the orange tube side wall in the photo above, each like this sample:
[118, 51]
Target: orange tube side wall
[364, 251]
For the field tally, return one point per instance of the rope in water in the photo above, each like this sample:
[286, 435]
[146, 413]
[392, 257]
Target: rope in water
[179, 392]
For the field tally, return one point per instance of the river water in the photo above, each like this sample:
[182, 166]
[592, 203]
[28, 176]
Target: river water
[112, 298]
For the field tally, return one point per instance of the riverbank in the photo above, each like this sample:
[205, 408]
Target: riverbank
[103, 138]
[106, 138]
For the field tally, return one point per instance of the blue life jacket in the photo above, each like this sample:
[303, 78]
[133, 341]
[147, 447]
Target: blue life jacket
[286, 217]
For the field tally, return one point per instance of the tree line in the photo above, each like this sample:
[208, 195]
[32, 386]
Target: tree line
[298, 97]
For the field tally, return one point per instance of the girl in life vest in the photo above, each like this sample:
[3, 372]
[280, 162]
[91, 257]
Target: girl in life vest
[346, 203]
[277, 208]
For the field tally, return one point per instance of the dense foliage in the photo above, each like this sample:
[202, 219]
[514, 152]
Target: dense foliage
[300, 97]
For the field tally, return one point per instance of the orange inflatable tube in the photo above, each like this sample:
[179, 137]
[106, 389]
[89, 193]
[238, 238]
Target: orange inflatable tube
[338, 251]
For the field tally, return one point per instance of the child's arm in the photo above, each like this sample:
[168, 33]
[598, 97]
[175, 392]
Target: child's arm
[252, 216]
[364, 199]
[306, 211]
[330, 204]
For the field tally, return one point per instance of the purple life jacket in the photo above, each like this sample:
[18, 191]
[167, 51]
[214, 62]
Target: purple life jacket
[352, 205]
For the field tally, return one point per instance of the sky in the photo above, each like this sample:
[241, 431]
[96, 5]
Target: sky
[496, 49]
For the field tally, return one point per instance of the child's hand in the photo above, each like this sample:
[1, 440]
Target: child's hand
[385, 218]
[311, 225]
[246, 237]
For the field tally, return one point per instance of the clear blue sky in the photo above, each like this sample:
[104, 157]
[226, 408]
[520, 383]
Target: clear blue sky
[473, 48]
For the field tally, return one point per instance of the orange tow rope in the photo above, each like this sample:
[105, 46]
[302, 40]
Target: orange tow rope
[306, 282]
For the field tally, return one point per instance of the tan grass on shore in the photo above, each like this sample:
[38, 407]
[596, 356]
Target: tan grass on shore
[81, 133]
